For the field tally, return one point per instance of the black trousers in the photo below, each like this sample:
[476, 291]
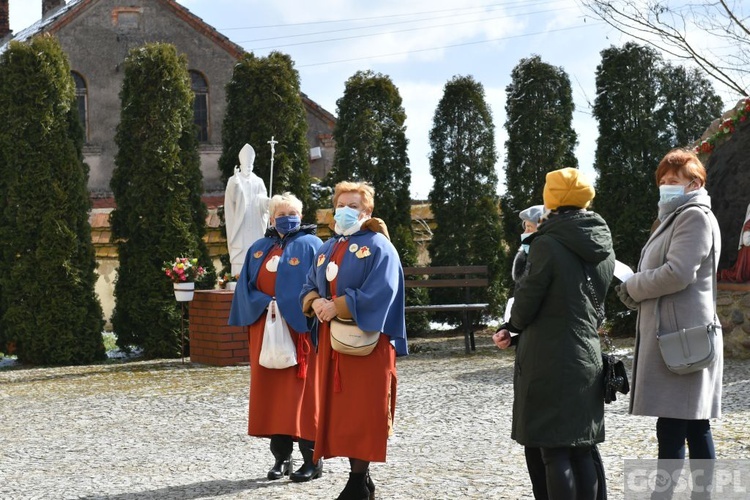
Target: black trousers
[571, 473]
[672, 433]
[537, 474]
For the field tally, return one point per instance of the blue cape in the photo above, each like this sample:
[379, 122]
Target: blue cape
[372, 284]
[298, 255]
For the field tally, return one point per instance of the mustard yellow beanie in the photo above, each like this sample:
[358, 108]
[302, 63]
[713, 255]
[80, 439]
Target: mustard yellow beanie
[567, 187]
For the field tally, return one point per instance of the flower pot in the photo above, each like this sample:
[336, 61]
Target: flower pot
[230, 285]
[183, 292]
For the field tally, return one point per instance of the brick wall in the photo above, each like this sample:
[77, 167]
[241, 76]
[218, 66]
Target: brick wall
[4, 19]
[212, 341]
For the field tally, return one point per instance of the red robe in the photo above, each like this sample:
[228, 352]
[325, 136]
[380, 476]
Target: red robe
[740, 272]
[280, 401]
[357, 396]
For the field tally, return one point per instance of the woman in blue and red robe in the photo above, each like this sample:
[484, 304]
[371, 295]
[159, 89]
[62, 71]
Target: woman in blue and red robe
[283, 402]
[357, 275]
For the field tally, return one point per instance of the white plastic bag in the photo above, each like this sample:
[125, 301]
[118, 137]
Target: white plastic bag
[278, 350]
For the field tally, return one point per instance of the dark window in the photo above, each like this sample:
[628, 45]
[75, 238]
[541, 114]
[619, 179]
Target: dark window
[200, 105]
[82, 103]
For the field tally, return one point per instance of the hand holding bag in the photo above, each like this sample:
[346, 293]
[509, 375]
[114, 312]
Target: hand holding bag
[615, 377]
[348, 338]
[278, 350]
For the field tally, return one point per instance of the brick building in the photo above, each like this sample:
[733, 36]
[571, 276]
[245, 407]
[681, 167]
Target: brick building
[97, 35]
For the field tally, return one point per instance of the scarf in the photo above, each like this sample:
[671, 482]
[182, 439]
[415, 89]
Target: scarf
[666, 208]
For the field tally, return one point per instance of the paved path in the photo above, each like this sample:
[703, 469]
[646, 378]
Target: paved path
[166, 430]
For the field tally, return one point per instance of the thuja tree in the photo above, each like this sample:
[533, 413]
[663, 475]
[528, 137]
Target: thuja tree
[644, 108]
[629, 146]
[628, 150]
[264, 101]
[687, 103]
[371, 146]
[539, 110]
[463, 199]
[47, 262]
[156, 183]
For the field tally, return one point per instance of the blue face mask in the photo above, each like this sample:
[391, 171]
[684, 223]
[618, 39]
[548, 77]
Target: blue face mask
[669, 192]
[346, 217]
[287, 224]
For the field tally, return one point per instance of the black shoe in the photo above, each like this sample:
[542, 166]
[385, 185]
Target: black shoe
[307, 472]
[356, 488]
[280, 469]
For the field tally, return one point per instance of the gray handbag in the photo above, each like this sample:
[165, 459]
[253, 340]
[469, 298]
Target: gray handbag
[689, 350]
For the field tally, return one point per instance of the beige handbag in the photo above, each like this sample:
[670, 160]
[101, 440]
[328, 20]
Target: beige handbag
[348, 338]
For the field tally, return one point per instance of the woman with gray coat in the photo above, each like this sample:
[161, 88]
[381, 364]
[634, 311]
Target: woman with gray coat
[677, 273]
[558, 396]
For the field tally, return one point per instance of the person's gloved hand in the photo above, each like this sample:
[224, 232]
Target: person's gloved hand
[625, 298]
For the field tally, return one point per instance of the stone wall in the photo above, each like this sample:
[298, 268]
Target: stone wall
[733, 308]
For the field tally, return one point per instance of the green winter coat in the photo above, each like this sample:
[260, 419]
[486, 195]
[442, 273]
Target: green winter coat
[558, 388]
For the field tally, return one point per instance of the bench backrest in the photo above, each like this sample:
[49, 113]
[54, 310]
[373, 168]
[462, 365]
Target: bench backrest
[446, 277]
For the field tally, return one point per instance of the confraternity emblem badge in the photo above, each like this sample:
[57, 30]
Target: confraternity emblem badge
[273, 264]
[353, 247]
[332, 270]
[363, 252]
[321, 259]
[294, 261]
[258, 254]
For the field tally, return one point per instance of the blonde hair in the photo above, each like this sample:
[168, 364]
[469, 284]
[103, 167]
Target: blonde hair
[286, 199]
[365, 190]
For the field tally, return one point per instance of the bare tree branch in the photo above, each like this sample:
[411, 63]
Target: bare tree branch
[667, 28]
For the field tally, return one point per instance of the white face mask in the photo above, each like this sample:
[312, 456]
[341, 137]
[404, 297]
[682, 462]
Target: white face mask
[669, 192]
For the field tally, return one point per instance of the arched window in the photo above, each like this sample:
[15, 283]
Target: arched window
[82, 103]
[200, 105]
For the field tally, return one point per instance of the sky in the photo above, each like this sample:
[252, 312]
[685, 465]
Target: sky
[420, 45]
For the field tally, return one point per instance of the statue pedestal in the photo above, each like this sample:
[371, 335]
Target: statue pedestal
[212, 340]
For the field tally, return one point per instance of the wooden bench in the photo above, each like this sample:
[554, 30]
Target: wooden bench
[466, 277]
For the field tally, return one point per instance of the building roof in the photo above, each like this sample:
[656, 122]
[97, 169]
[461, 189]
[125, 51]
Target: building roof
[68, 12]
[60, 17]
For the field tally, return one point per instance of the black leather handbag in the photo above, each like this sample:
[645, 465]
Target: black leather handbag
[615, 377]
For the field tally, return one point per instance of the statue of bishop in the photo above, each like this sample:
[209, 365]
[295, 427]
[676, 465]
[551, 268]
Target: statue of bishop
[245, 208]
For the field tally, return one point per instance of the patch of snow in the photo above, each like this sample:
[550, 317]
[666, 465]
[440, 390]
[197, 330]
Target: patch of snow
[8, 361]
[119, 354]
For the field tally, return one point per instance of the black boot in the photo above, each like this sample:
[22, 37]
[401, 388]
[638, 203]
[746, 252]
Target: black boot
[309, 470]
[370, 485]
[281, 447]
[356, 487]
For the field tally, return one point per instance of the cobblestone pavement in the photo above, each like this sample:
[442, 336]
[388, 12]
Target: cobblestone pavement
[167, 430]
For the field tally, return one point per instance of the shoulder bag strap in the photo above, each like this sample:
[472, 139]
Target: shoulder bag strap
[713, 265]
[600, 314]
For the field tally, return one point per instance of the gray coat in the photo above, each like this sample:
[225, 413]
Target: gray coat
[684, 282]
